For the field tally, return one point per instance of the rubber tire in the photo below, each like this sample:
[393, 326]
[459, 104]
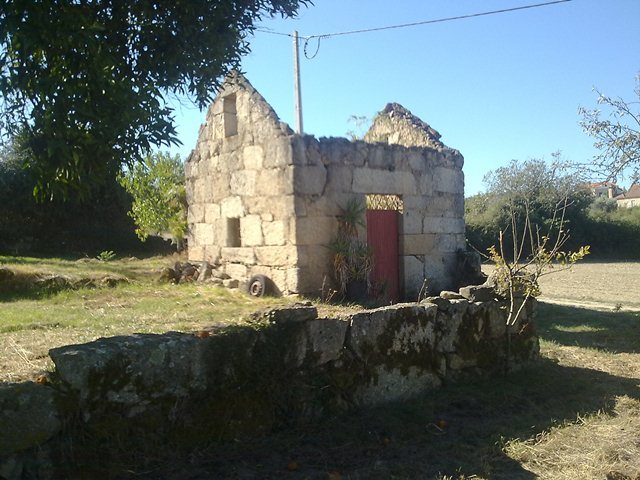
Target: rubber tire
[258, 286]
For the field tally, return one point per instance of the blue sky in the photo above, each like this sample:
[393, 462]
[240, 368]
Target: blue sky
[497, 87]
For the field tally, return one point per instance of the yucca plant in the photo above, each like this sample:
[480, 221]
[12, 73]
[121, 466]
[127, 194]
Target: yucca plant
[352, 258]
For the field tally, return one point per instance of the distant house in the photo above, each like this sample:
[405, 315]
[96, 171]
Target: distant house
[631, 198]
[605, 189]
[266, 201]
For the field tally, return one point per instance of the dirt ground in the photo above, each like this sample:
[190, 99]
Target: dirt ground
[612, 285]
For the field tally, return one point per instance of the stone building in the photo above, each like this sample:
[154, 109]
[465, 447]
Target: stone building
[264, 200]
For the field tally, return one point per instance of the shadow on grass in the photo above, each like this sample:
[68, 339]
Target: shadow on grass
[457, 430]
[615, 332]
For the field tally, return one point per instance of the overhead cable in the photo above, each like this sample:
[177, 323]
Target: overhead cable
[413, 24]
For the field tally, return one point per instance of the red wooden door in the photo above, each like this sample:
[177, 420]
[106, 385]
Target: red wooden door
[382, 237]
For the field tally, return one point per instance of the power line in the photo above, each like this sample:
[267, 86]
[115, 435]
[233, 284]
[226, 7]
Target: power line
[413, 24]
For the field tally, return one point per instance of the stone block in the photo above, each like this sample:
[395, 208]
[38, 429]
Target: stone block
[293, 280]
[416, 160]
[236, 270]
[395, 331]
[381, 158]
[425, 184]
[447, 243]
[206, 234]
[411, 222]
[211, 212]
[478, 293]
[413, 273]
[339, 179]
[280, 206]
[244, 255]
[396, 384]
[367, 180]
[251, 230]
[274, 232]
[314, 230]
[243, 182]
[211, 253]
[448, 180]
[28, 416]
[157, 366]
[416, 202]
[253, 156]
[275, 181]
[278, 153]
[277, 256]
[232, 207]
[196, 213]
[231, 283]
[443, 225]
[195, 253]
[309, 180]
[296, 313]
[420, 244]
[325, 340]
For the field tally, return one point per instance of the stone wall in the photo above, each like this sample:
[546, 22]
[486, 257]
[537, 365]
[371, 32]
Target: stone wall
[263, 200]
[240, 189]
[429, 182]
[141, 396]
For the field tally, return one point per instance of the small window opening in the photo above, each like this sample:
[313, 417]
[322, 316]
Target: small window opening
[229, 115]
[385, 202]
[233, 232]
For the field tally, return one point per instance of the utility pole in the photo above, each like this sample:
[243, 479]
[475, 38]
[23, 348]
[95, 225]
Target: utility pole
[297, 100]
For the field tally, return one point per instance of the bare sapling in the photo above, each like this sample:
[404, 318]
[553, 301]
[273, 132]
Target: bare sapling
[535, 253]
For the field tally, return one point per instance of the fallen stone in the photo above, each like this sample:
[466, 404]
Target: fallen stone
[448, 295]
[231, 283]
[204, 272]
[220, 275]
[167, 274]
[478, 293]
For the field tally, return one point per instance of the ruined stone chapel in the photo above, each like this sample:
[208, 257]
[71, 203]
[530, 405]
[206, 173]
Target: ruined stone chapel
[264, 200]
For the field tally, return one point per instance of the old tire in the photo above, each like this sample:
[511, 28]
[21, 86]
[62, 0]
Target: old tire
[258, 286]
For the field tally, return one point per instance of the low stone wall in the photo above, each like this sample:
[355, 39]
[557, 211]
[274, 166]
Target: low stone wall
[131, 396]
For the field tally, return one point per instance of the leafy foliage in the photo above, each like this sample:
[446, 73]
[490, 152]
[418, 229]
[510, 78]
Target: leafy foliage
[616, 137]
[610, 231]
[159, 199]
[88, 80]
[56, 226]
[530, 191]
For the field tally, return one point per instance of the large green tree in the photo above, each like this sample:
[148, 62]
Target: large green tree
[617, 134]
[525, 191]
[88, 81]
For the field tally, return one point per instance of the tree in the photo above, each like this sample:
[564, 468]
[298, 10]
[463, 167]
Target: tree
[616, 137]
[528, 191]
[159, 206]
[88, 80]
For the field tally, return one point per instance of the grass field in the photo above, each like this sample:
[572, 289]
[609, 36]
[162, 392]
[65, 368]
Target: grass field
[573, 415]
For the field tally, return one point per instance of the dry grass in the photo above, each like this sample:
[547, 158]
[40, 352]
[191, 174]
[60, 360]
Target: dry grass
[599, 446]
[614, 285]
[33, 322]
